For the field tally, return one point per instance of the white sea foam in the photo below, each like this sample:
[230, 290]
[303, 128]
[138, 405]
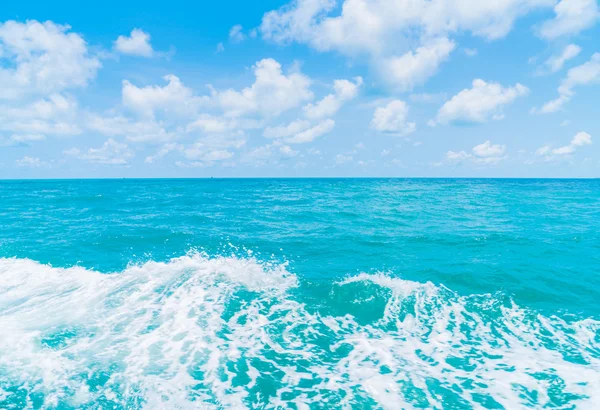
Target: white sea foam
[237, 333]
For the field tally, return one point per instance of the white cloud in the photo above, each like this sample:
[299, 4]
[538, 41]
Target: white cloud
[174, 98]
[584, 74]
[134, 131]
[299, 131]
[457, 156]
[579, 140]
[487, 150]
[31, 162]
[392, 118]
[482, 154]
[220, 48]
[43, 58]
[294, 21]
[137, 44]
[309, 135]
[543, 151]
[572, 16]
[415, 67]
[344, 91]
[192, 164]
[206, 158]
[259, 156]
[236, 35]
[395, 35]
[55, 105]
[216, 155]
[163, 151]
[170, 112]
[285, 131]
[470, 52]
[269, 154]
[368, 25]
[55, 115]
[288, 151]
[24, 138]
[556, 63]
[210, 150]
[211, 124]
[271, 94]
[552, 105]
[479, 103]
[110, 153]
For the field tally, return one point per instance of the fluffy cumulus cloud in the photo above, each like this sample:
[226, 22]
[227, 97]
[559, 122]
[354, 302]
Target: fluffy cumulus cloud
[482, 154]
[172, 111]
[572, 16]
[110, 153]
[556, 62]
[415, 67]
[584, 74]
[482, 102]
[173, 98]
[166, 115]
[363, 25]
[272, 93]
[579, 140]
[489, 150]
[405, 40]
[344, 90]
[43, 67]
[136, 44]
[42, 58]
[392, 118]
[54, 115]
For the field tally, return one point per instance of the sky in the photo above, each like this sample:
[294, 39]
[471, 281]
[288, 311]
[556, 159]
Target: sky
[307, 88]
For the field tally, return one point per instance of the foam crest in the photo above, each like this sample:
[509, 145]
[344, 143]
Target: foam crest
[229, 332]
[153, 322]
[479, 348]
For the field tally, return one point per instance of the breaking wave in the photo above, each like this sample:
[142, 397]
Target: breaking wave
[229, 332]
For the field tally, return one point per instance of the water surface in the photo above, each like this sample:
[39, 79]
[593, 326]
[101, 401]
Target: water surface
[300, 293]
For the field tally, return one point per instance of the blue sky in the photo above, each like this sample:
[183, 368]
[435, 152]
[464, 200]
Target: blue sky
[303, 88]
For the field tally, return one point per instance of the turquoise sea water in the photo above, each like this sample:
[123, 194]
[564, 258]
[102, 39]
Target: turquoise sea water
[305, 294]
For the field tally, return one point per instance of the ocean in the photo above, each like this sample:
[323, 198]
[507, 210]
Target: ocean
[300, 294]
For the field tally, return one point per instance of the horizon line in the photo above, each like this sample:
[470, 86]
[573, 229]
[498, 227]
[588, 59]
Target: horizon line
[291, 177]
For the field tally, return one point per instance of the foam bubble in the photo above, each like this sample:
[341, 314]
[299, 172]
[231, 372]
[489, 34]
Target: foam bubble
[229, 332]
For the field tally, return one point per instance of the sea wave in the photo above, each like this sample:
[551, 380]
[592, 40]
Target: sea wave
[231, 332]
